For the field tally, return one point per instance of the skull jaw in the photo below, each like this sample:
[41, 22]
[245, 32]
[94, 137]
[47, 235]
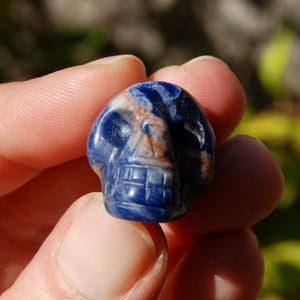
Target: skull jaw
[161, 204]
[153, 203]
[144, 213]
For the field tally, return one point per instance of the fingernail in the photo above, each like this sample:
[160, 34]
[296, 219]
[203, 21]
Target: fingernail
[203, 58]
[102, 256]
[113, 59]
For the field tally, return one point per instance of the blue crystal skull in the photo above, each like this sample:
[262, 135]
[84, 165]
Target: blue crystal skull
[153, 148]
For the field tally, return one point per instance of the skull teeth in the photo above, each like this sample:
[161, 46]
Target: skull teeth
[146, 175]
[151, 184]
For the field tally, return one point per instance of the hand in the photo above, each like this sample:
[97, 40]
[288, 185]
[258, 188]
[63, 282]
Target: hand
[212, 253]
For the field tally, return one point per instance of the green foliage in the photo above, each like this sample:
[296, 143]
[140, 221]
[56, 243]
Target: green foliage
[280, 132]
[274, 60]
[279, 233]
[282, 264]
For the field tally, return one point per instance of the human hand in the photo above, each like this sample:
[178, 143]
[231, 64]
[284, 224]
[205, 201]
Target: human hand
[211, 253]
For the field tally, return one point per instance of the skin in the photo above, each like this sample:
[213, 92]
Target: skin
[209, 254]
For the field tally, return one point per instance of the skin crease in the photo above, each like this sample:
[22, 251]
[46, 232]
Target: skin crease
[52, 115]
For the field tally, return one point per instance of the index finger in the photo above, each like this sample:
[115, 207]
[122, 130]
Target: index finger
[45, 121]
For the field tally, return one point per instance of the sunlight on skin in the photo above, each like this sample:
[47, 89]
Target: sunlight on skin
[224, 289]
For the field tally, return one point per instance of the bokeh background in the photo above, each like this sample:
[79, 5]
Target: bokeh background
[259, 40]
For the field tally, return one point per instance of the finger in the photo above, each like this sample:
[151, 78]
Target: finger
[93, 255]
[214, 86]
[45, 121]
[222, 266]
[247, 186]
[38, 205]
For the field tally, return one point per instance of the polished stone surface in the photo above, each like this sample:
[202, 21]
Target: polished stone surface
[153, 149]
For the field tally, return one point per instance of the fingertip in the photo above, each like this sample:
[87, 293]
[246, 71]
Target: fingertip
[53, 114]
[226, 265]
[214, 86]
[204, 57]
[247, 186]
[133, 61]
[91, 254]
[259, 164]
[113, 257]
[250, 179]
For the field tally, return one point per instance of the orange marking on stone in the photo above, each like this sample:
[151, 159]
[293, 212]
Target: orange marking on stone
[207, 162]
[142, 113]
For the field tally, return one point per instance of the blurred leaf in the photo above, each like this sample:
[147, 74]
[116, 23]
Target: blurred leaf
[296, 136]
[274, 60]
[282, 269]
[272, 297]
[271, 126]
[290, 195]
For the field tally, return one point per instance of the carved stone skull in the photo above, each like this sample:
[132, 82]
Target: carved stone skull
[152, 147]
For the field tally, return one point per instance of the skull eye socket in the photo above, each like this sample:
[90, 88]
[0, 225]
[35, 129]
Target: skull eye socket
[117, 127]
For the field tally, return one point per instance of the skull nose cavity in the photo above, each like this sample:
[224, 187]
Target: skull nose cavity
[146, 127]
[146, 142]
[148, 148]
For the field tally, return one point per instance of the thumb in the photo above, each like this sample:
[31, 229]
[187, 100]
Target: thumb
[93, 255]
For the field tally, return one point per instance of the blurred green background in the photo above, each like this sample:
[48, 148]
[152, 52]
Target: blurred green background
[259, 40]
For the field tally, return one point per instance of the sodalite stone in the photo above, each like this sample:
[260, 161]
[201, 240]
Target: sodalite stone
[153, 148]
